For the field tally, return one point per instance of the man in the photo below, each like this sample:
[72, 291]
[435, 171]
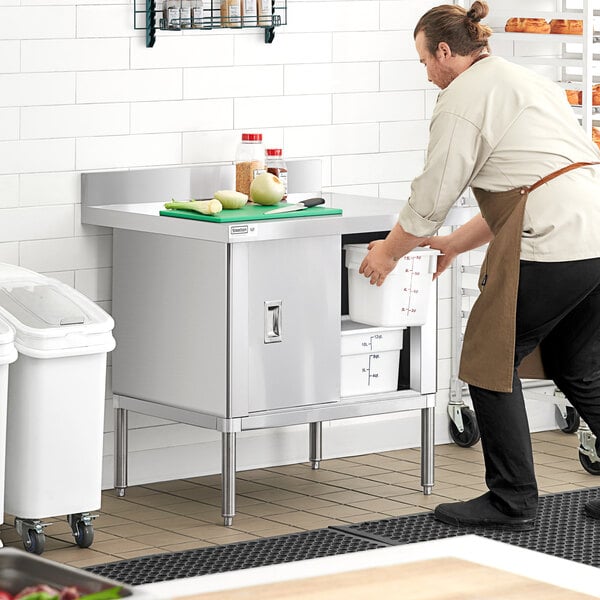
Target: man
[512, 136]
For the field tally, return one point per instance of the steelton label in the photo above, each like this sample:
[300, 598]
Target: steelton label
[249, 230]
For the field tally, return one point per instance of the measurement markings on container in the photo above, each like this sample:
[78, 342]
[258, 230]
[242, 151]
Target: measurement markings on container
[369, 370]
[369, 344]
[411, 290]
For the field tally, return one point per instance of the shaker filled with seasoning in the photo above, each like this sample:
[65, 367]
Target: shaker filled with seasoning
[197, 14]
[249, 161]
[265, 12]
[276, 164]
[171, 14]
[185, 13]
[231, 13]
[249, 13]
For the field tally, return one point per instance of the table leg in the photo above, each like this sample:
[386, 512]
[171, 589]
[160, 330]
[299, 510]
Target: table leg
[315, 432]
[228, 477]
[121, 435]
[427, 448]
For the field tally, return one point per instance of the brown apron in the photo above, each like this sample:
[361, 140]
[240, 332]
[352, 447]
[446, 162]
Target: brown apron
[488, 353]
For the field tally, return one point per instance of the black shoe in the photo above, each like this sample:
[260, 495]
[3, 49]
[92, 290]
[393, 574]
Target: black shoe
[592, 509]
[480, 512]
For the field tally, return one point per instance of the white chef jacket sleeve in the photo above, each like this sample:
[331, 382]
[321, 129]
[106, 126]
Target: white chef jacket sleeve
[455, 153]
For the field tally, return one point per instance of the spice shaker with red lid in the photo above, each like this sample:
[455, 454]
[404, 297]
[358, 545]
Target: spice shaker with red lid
[276, 164]
[249, 161]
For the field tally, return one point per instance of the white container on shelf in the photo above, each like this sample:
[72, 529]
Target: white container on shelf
[370, 358]
[8, 354]
[402, 300]
[56, 396]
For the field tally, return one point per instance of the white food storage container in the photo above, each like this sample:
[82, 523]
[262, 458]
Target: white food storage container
[8, 354]
[370, 358]
[403, 298]
[56, 396]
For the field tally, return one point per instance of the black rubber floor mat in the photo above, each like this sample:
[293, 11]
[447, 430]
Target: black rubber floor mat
[233, 557]
[562, 529]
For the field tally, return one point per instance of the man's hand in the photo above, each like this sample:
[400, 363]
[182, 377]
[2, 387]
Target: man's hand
[471, 235]
[384, 254]
[444, 244]
[379, 263]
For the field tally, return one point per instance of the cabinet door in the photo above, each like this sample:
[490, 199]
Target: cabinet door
[293, 322]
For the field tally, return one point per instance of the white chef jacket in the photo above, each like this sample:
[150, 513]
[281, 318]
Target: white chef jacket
[499, 126]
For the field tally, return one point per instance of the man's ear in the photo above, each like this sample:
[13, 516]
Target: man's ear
[443, 50]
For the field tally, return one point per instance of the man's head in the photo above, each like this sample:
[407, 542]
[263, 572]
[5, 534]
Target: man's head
[448, 38]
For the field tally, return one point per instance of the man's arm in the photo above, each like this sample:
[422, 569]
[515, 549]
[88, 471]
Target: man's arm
[471, 235]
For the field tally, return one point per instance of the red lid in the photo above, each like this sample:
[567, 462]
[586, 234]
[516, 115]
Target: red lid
[274, 152]
[251, 137]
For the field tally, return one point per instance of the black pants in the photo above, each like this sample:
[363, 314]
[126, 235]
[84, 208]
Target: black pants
[558, 306]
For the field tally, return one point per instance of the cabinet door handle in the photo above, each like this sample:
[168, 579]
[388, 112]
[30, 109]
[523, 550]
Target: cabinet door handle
[273, 331]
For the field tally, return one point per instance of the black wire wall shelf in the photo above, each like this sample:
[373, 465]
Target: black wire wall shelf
[147, 16]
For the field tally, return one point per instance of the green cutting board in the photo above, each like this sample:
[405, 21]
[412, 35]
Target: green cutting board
[252, 212]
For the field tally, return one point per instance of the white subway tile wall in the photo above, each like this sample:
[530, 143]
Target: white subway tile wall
[181, 115]
[79, 91]
[36, 89]
[40, 189]
[128, 85]
[234, 82]
[9, 191]
[10, 56]
[39, 22]
[9, 123]
[332, 78]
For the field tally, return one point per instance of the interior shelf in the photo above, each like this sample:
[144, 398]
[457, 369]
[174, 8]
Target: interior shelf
[542, 14]
[514, 36]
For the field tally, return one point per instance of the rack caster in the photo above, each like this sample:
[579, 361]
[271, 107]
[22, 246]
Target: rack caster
[588, 450]
[567, 419]
[463, 427]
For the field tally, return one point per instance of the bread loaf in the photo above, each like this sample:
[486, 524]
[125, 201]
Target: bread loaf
[574, 97]
[596, 136]
[526, 25]
[566, 26]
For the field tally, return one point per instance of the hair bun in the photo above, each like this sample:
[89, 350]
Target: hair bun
[479, 10]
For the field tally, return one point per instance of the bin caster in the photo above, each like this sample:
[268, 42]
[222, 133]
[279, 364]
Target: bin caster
[32, 534]
[82, 528]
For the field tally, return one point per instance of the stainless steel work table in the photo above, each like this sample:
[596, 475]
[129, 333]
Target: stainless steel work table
[266, 296]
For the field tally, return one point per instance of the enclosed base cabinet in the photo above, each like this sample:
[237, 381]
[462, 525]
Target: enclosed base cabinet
[236, 330]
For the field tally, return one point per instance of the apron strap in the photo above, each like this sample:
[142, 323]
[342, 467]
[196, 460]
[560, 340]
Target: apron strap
[559, 172]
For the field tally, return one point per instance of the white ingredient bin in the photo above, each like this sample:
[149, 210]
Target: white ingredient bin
[8, 354]
[403, 298]
[56, 396]
[370, 358]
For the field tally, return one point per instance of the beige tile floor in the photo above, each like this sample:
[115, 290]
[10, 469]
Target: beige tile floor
[184, 514]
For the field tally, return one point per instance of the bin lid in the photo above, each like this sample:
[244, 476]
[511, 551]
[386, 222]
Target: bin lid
[14, 273]
[41, 306]
[349, 327]
[8, 352]
[355, 253]
[53, 319]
